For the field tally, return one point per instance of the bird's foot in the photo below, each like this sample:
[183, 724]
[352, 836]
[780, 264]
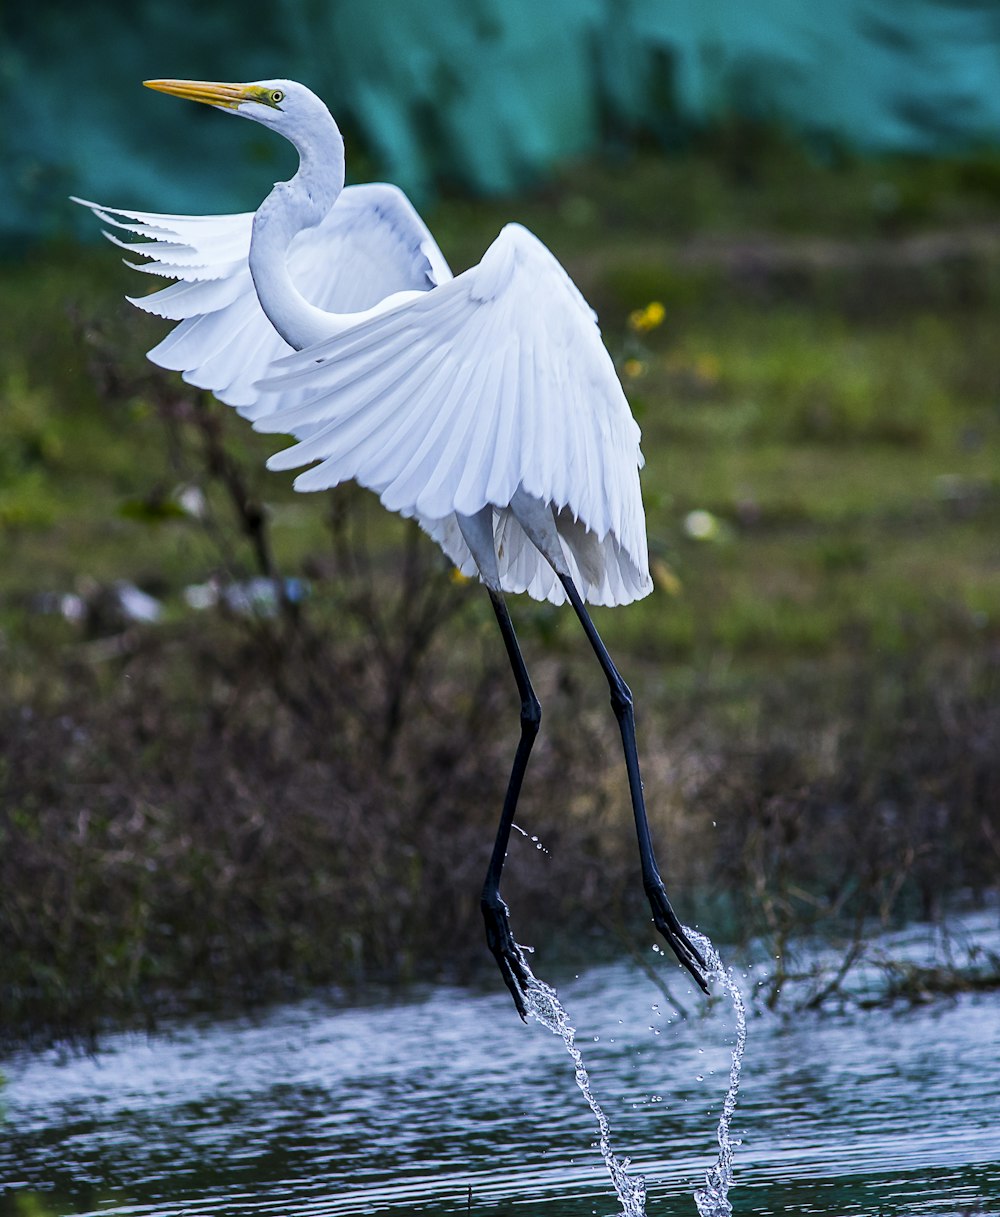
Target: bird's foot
[667, 922]
[508, 953]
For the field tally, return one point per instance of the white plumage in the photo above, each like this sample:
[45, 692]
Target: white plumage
[484, 405]
[443, 395]
[451, 401]
[371, 244]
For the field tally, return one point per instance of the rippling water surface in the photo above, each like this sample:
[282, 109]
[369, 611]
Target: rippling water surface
[402, 1108]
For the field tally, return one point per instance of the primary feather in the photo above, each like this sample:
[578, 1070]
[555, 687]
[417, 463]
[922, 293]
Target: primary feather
[372, 244]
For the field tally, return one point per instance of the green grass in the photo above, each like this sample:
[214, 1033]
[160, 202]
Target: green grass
[852, 469]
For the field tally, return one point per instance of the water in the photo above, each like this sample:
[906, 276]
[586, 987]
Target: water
[544, 1006]
[712, 1200]
[401, 1108]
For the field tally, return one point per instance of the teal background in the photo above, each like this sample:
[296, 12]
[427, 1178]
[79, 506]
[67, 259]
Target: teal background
[478, 95]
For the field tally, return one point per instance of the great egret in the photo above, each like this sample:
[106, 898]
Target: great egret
[484, 405]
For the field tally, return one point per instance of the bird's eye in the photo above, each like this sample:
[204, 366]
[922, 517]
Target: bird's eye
[276, 96]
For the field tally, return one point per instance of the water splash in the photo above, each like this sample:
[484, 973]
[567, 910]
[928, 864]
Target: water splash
[545, 1007]
[712, 1200]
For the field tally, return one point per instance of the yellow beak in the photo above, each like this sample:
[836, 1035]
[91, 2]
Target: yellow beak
[212, 93]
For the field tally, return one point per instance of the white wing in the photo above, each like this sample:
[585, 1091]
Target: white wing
[450, 401]
[372, 244]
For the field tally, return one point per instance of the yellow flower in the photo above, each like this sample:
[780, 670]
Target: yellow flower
[633, 368]
[642, 320]
[458, 577]
[655, 313]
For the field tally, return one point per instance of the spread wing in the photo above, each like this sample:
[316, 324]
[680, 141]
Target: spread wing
[452, 400]
[371, 245]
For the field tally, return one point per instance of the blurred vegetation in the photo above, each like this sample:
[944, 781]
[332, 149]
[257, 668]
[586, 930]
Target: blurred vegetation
[299, 785]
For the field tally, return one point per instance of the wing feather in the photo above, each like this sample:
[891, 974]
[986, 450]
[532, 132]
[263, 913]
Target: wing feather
[450, 401]
[456, 390]
[384, 455]
[472, 490]
[413, 489]
[327, 442]
[371, 245]
[446, 400]
[206, 334]
[504, 454]
[367, 380]
[190, 297]
[422, 474]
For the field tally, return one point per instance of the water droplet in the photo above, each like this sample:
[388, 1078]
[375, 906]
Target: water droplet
[544, 1006]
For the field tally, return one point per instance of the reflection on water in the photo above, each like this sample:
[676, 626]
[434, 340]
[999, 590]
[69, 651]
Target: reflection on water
[402, 1108]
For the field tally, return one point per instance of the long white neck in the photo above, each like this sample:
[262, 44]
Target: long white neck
[302, 202]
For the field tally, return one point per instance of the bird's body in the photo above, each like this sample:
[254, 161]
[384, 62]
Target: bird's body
[484, 405]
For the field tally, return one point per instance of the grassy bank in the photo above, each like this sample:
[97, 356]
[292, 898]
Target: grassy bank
[229, 803]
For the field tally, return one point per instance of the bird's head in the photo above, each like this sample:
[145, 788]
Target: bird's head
[283, 105]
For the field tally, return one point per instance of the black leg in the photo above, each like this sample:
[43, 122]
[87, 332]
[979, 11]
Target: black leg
[499, 938]
[664, 917]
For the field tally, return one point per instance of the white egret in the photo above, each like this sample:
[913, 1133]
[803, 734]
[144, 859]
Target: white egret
[483, 405]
